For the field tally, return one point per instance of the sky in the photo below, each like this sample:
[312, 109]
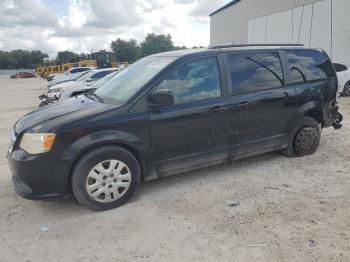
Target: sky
[86, 25]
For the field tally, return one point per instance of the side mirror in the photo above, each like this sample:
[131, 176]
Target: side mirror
[161, 98]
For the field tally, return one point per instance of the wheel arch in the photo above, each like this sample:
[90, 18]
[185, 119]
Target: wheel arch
[312, 109]
[127, 147]
[93, 141]
[315, 113]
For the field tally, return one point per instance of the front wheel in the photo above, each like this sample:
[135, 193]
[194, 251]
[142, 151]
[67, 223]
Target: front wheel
[346, 90]
[105, 177]
[304, 138]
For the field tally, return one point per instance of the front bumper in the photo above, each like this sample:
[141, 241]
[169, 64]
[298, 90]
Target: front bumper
[37, 177]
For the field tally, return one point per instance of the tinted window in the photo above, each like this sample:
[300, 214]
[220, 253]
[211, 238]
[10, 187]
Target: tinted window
[339, 67]
[100, 75]
[194, 81]
[254, 72]
[103, 80]
[75, 70]
[308, 65]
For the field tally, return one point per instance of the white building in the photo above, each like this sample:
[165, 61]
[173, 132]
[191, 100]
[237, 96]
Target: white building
[317, 23]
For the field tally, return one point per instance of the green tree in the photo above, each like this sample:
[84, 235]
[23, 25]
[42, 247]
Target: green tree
[156, 44]
[180, 47]
[67, 56]
[22, 57]
[7, 61]
[125, 51]
[37, 58]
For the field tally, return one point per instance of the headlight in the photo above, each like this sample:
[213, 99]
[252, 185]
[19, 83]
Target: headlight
[37, 143]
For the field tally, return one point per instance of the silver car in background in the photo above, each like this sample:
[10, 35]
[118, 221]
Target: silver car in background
[72, 91]
[67, 78]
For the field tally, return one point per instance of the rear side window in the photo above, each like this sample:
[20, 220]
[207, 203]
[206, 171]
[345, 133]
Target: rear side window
[308, 65]
[339, 67]
[255, 72]
[194, 81]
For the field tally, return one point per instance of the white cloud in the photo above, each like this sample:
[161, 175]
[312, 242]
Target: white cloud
[93, 24]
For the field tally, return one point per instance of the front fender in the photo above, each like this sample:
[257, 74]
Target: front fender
[83, 144]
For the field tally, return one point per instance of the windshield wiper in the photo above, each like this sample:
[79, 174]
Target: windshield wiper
[92, 94]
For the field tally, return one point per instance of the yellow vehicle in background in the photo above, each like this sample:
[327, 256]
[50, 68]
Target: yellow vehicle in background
[60, 69]
[88, 63]
[118, 64]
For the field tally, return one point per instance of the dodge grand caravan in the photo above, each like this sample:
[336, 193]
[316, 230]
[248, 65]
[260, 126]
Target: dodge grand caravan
[173, 112]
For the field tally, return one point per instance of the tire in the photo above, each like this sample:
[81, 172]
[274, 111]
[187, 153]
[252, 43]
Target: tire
[346, 90]
[97, 182]
[304, 138]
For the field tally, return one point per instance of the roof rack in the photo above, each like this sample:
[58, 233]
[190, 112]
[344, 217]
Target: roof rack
[244, 45]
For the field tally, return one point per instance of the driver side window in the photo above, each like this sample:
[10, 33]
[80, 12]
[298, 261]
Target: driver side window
[194, 81]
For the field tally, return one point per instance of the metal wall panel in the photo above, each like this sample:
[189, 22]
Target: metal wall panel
[341, 31]
[310, 25]
[231, 24]
[321, 23]
[321, 33]
[279, 27]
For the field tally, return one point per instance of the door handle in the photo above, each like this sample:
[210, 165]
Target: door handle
[219, 109]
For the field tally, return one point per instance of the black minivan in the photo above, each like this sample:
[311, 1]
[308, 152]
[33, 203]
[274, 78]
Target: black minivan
[173, 112]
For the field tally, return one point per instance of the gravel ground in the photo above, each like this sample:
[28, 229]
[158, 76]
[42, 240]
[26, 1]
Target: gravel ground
[264, 208]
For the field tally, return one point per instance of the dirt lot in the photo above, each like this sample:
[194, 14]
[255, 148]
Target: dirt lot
[290, 209]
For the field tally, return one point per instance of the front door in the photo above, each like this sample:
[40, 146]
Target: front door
[193, 131]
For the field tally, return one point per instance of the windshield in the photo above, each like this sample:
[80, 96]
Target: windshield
[131, 79]
[103, 80]
[85, 75]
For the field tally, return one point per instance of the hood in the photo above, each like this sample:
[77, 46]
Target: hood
[67, 92]
[64, 85]
[48, 118]
[60, 80]
[74, 86]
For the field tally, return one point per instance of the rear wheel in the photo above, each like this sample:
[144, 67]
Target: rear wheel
[346, 90]
[305, 138]
[105, 177]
